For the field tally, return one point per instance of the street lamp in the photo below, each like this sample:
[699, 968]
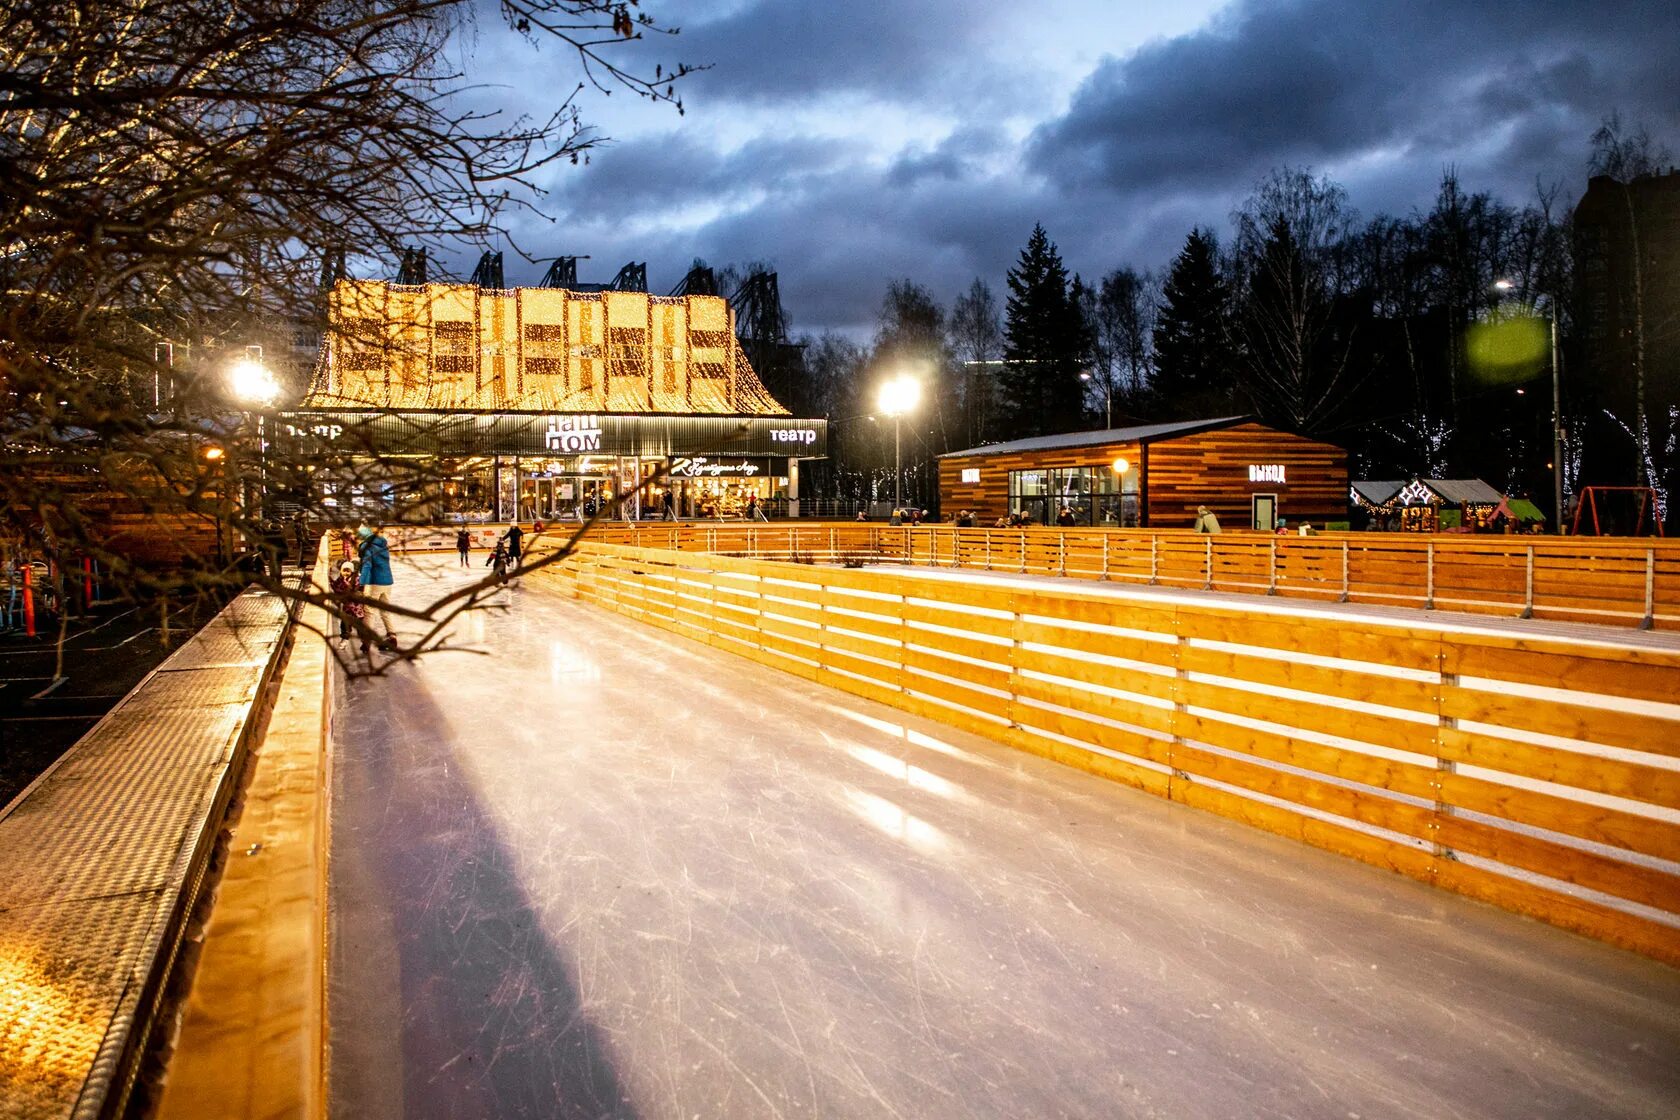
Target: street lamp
[1108, 398]
[1557, 408]
[895, 398]
[255, 386]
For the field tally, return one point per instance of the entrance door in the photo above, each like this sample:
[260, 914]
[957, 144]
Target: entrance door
[1265, 512]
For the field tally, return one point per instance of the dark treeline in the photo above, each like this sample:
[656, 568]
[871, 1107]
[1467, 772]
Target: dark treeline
[1420, 343]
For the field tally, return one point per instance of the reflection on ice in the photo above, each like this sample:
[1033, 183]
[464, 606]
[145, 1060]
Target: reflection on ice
[571, 663]
[913, 776]
[896, 823]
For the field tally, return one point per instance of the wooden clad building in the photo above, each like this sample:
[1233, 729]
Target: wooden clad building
[1152, 475]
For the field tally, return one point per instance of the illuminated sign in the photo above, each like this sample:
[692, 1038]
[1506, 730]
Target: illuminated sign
[971, 474]
[1267, 472]
[573, 433]
[792, 435]
[699, 466]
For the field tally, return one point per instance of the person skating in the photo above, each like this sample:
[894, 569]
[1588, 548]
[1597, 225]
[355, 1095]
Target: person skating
[497, 561]
[463, 545]
[514, 536]
[376, 577]
[345, 586]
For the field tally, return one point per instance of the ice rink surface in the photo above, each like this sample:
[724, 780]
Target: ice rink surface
[599, 871]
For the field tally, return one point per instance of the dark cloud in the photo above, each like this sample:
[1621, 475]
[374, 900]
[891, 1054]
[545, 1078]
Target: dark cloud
[802, 49]
[1383, 95]
[1324, 82]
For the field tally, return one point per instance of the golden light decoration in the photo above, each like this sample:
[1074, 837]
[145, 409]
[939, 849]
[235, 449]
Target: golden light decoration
[1121, 465]
[455, 346]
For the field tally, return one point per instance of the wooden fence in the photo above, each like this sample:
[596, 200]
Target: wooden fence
[1624, 582]
[1542, 775]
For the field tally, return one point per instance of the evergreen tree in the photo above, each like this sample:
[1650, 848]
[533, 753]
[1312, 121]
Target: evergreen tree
[1042, 393]
[1194, 359]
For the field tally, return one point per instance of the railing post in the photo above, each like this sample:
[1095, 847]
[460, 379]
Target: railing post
[1207, 585]
[1344, 597]
[1429, 586]
[1154, 559]
[831, 555]
[1105, 556]
[1061, 554]
[1271, 579]
[1528, 585]
[988, 533]
[1650, 590]
[1023, 552]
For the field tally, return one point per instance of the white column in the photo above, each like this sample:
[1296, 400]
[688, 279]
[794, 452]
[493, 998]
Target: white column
[793, 487]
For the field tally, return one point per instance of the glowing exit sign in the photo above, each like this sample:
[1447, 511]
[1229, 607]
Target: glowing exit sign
[1267, 472]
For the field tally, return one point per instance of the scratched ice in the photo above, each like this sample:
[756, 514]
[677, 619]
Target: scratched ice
[599, 871]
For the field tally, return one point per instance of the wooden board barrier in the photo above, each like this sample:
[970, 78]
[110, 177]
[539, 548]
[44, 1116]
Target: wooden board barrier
[1350, 734]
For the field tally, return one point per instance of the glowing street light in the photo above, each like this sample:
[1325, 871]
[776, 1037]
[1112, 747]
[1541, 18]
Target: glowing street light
[253, 383]
[895, 398]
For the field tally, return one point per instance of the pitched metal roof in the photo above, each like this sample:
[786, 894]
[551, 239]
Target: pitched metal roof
[1376, 491]
[1459, 491]
[1142, 433]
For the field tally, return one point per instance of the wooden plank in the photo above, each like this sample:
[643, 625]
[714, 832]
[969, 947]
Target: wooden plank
[1368, 808]
[1096, 641]
[1412, 862]
[1402, 777]
[1560, 814]
[1565, 768]
[1627, 730]
[1617, 927]
[991, 676]
[1644, 885]
[1632, 673]
[1092, 762]
[1348, 684]
[1074, 727]
[1322, 715]
[1096, 703]
[1157, 685]
[968, 699]
[1403, 647]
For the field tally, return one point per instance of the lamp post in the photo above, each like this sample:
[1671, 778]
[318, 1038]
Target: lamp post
[895, 398]
[1557, 405]
[254, 386]
[1108, 398]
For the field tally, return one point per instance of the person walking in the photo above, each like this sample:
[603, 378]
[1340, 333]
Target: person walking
[463, 545]
[514, 536]
[376, 577]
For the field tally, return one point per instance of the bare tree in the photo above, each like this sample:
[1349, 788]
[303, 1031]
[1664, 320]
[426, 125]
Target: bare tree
[1125, 327]
[1625, 153]
[976, 341]
[176, 172]
[1288, 262]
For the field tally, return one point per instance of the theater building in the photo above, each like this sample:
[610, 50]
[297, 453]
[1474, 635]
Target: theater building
[546, 403]
[1152, 476]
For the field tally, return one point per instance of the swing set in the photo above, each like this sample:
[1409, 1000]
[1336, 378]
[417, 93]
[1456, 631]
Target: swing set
[1644, 497]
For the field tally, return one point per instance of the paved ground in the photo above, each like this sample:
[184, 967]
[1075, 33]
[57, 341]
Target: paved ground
[106, 654]
[600, 871]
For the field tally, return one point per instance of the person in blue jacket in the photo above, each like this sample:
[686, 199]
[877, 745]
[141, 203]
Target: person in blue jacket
[376, 576]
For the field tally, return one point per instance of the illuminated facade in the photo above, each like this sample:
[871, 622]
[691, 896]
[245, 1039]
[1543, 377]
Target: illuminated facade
[459, 347]
[548, 403]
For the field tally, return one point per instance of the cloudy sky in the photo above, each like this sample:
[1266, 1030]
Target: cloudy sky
[852, 143]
